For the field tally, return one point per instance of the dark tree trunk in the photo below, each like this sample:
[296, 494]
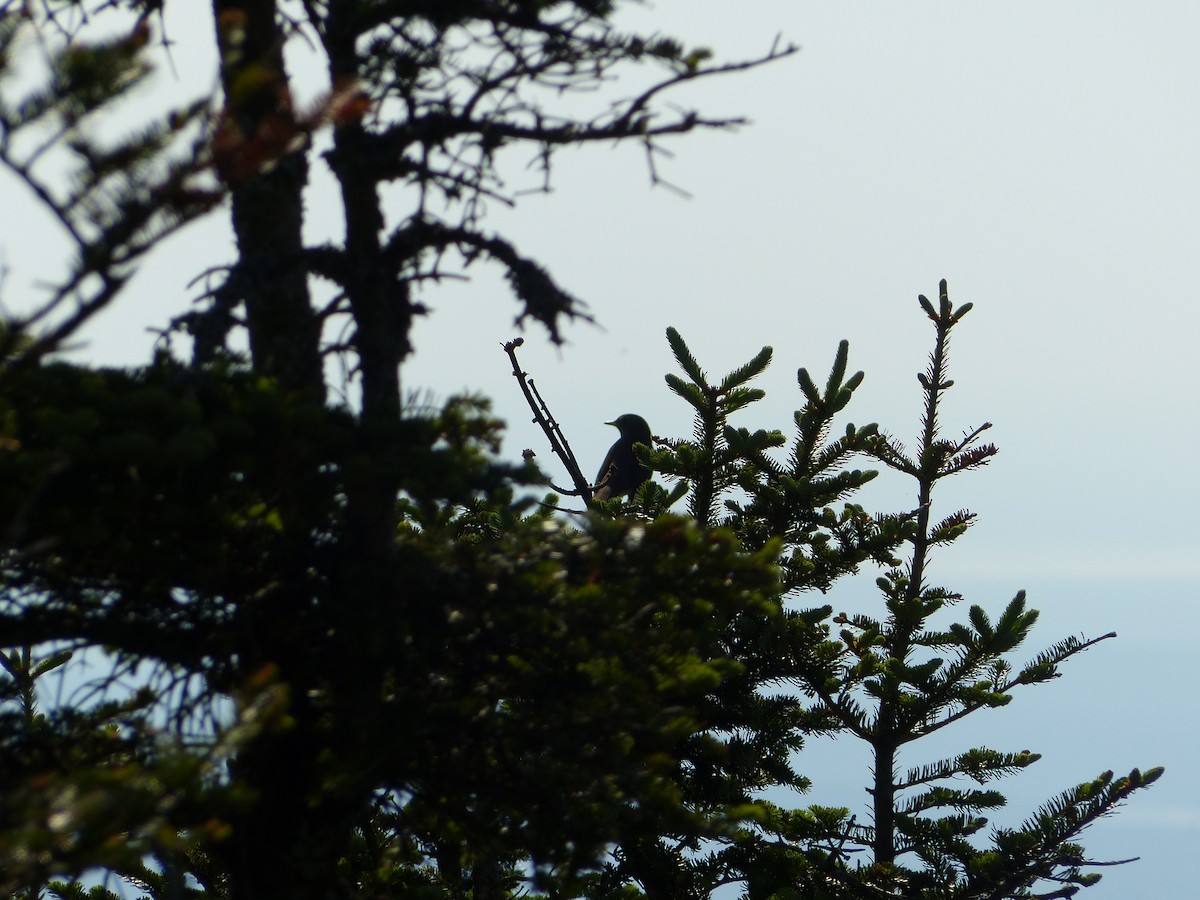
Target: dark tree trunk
[287, 840]
[268, 205]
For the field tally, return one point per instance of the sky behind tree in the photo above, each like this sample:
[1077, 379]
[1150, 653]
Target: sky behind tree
[1042, 158]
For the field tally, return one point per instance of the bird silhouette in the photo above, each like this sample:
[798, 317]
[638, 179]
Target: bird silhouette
[621, 467]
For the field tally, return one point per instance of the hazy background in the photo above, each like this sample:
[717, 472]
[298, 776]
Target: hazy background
[1043, 158]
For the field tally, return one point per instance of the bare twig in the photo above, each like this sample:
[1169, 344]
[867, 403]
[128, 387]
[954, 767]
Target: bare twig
[546, 421]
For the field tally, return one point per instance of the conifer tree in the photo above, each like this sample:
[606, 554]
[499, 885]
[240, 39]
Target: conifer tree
[340, 615]
[897, 678]
[888, 680]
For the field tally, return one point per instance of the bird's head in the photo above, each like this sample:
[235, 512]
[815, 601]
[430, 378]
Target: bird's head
[633, 427]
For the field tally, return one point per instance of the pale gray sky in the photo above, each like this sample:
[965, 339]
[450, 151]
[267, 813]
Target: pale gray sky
[1043, 158]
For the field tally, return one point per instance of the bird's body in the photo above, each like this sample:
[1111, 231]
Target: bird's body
[621, 473]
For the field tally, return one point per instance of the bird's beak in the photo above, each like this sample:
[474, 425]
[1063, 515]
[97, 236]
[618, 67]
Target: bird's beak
[613, 424]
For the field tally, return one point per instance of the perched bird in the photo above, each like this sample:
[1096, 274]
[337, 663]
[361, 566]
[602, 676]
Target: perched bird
[627, 473]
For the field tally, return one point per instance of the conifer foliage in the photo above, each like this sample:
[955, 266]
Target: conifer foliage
[898, 677]
[888, 679]
[260, 639]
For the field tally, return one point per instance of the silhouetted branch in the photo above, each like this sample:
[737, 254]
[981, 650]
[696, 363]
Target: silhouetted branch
[546, 421]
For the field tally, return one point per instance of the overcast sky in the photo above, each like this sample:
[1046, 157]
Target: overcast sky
[1040, 156]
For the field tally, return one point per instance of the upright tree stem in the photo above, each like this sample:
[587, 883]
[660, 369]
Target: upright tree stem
[888, 737]
[268, 206]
